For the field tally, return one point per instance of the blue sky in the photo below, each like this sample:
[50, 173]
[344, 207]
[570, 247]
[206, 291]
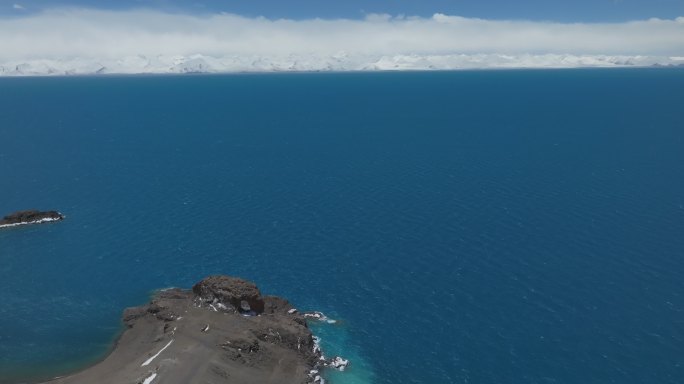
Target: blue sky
[538, 10]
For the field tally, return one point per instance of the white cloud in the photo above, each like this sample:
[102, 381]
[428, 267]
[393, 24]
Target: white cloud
[111, 37]
[18, 7]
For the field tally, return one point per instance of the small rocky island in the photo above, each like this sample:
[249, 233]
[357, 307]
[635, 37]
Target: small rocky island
[221, 331]
[30, 217]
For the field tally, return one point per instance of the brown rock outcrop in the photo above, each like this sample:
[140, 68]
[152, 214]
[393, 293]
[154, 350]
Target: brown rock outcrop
[230, 291]
[178, 338]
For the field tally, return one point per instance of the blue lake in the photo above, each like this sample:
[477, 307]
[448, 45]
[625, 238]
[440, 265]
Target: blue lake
[464, 227]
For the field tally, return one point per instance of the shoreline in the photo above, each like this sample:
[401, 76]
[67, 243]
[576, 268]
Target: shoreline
[41, 221]
[30, 217]
[53, 370]
[222, 330]
[87, 363]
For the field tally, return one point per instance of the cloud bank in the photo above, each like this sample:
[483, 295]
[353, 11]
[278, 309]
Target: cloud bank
[144, 41]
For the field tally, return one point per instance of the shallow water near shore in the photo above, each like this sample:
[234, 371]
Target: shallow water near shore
[484, 226]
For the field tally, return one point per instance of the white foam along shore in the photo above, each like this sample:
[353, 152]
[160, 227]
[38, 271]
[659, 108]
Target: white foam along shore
[341, 62]
[320, 316]
[45, 220]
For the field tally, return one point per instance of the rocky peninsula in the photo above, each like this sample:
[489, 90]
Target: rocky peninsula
[221, 331]
[30, 217]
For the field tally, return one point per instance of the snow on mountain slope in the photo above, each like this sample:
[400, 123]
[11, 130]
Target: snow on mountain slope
[301, 63]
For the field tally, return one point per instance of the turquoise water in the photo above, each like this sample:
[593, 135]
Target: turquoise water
[484, 227]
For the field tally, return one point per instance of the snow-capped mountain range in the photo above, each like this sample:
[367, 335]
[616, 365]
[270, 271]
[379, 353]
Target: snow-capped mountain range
[304, 63]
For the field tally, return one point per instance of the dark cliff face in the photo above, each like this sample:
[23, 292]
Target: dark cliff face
[31, 216]
[242, 295]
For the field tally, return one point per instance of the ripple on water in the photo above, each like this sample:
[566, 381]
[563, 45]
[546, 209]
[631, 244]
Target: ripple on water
[468, 227]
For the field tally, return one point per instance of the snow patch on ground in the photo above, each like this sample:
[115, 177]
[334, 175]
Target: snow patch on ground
[148, 361]
[149, 379]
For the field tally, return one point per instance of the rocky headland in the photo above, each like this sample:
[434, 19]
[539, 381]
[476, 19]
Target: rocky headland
[30, 217]
[221, 331]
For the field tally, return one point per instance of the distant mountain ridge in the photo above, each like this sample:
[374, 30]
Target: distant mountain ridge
[307, 63]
